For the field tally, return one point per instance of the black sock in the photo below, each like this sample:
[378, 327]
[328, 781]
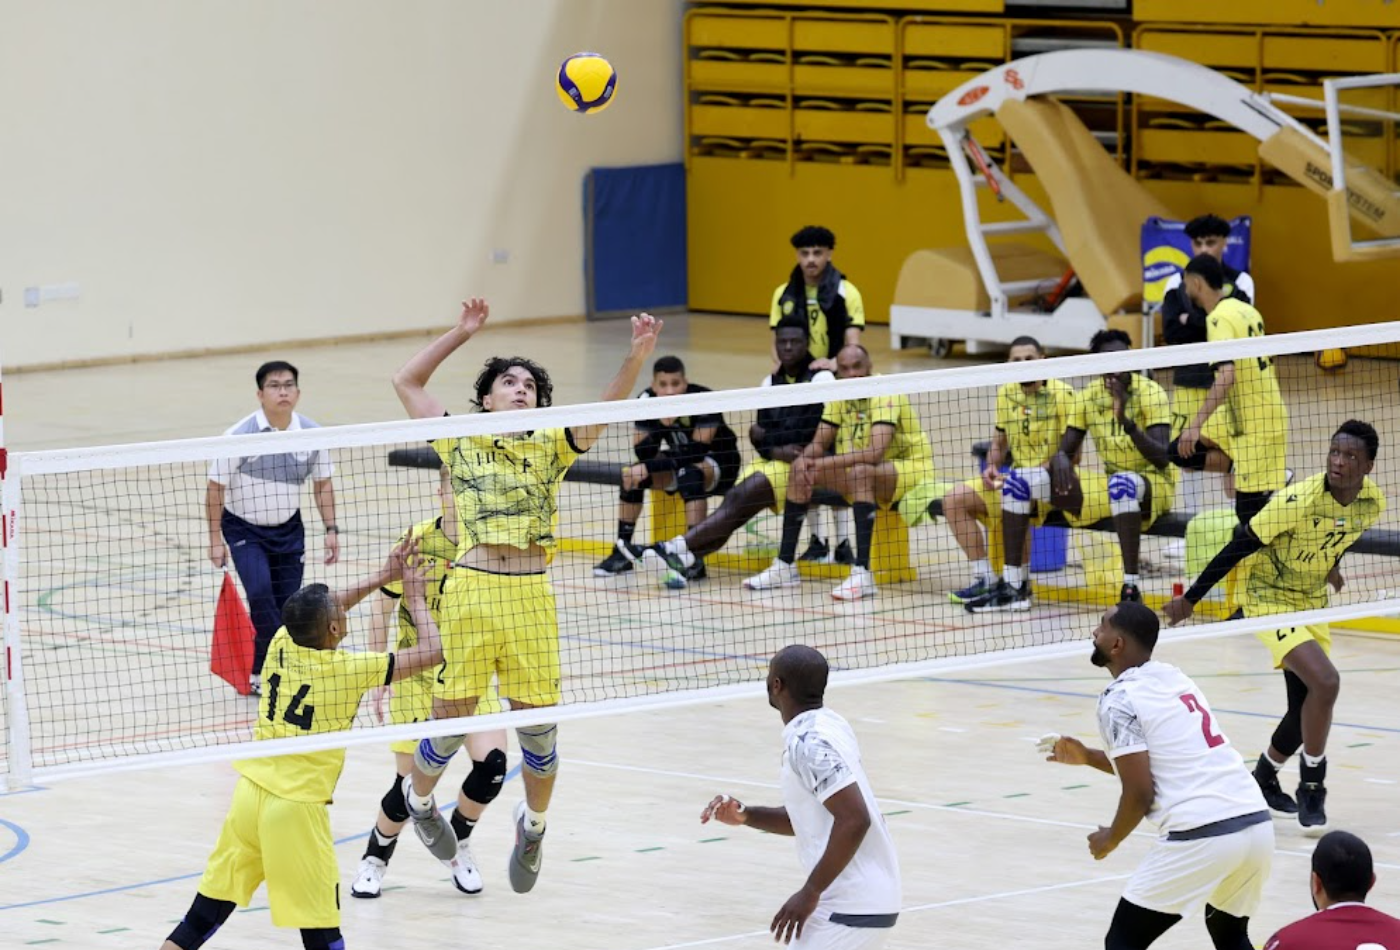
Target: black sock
[794, 513]
[625, 529]
[380, 845]
[864, 514]
[462, 826]
[1312, 774]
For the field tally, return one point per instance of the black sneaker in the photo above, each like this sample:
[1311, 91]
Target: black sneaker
[614, 564]
[817, 550]
[1279, 800]
[844, 553]
[631, 553]
[1002, 597]
[1312, 813]
[696, 571]
[1130, 592]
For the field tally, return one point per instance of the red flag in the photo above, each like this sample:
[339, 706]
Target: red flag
[231, 655]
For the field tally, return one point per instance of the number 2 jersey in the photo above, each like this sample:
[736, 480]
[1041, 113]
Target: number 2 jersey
[306, 692]
[1197, 776]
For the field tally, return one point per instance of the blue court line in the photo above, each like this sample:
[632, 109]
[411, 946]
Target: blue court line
[21, 840]
[1061, 692]
[24, 843]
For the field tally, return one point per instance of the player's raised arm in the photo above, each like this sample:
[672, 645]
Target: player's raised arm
[411, 381]
[427, 652]
[645, 330]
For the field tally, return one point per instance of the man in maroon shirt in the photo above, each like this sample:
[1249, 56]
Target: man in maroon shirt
[1341, 875]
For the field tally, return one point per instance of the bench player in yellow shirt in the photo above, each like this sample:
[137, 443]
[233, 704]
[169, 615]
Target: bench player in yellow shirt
[498, 614]
[1129, 418]
[277, 829]
[412, 701]
[1302, 533]
[1242, 427]
[881, 453]
[1030, 419]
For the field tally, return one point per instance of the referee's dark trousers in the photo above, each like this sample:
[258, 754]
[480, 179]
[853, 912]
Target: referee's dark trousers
[269, 561]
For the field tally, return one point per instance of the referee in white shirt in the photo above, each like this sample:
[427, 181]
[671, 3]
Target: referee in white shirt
[851, 897]
[1179, 772]
[254, 505]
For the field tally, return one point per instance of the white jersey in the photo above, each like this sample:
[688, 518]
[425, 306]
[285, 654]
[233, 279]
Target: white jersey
[821, 757]
[1197, 776]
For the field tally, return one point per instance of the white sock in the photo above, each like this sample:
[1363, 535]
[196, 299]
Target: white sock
[677, 547]
[1131, 579]
[534, 820]
[1313, 761]
[416, 802]
[1270, 759]
[1015, 576]
[982, 570]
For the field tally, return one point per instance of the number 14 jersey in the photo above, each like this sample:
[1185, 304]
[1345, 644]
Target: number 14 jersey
[1197, 776]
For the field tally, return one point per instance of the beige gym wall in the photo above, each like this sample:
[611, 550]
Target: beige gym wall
[213, 173]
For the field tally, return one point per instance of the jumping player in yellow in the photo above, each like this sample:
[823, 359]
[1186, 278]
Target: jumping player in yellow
[1031, 417]
[498, 616]
[1130, 420]
[1302, 533]
[412, 701]
[1242, 427]
[277, 829]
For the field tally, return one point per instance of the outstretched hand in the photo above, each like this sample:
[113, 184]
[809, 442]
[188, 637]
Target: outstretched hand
[1066, 750]
[645, 330]
[724, 809]
[474, 314]
[1177, 609]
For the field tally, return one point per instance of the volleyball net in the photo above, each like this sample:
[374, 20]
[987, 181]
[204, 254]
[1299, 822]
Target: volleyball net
[112, 593]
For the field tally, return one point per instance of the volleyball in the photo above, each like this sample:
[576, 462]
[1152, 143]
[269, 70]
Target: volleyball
[1331, 359]
[586, 82]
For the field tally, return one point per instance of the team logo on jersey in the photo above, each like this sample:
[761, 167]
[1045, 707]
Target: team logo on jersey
[787, 307]
[1340, 523]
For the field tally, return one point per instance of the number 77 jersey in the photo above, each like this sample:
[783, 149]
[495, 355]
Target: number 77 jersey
[1197, 776]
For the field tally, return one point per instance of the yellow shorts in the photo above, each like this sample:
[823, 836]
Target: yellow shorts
[1185, 404]
[777, 474]
[1096, 503]
[1095, 509]
[908, 473]
[286, 843]
[1282, 642]
[412, 701]
[500, 625]
[991, 497]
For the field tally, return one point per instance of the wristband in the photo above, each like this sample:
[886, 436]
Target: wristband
[332, 529]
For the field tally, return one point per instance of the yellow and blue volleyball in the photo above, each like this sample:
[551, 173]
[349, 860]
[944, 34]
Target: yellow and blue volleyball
[586, 82]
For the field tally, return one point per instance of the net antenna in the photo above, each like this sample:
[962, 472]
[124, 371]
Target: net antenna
[992, 291]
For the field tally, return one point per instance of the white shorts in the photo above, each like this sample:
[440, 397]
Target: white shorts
[1228, 873]
[820, 934]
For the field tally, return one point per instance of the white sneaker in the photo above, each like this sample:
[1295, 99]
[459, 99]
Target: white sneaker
[778, 574]
[860, 584]
[464, 873]
[369, 880]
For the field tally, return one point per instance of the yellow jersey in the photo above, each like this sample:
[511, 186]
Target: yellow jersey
[307, 692]
[1034, 424]
[1147, 406]
[854, 419]
[818, 334]
[1255, 404]
[506, 486]
[1305, 533]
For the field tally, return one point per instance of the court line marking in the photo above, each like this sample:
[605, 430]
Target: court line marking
[917, 908]
[21, 840]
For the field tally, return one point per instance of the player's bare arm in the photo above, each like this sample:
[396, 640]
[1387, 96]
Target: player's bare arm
[996, 457]
[730, 811]
[1215, 398]
[645, 330]
[1067, 750]
[427, 652]
[411, 381]
[213, 514]
[1134, 802]
[850, 821]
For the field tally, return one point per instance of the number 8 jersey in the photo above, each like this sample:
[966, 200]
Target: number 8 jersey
[308, 691]
[1197, 776]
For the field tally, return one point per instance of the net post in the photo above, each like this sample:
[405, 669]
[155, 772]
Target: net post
[20, 767]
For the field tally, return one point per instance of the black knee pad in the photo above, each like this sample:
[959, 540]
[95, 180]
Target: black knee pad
[690, 482]
[201, 922]
[483, 783]
[632, 496]
[322, 938]
[1227, 932]
[395, 808]
[1196, 461]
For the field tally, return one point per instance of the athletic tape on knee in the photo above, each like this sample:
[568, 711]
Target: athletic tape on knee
[432, 755]
[538, 748]
[483, 783]
[632, 496]
[1125, 493]
[201, 922]
[690, 482]
[395, 809]
[1022, 487]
